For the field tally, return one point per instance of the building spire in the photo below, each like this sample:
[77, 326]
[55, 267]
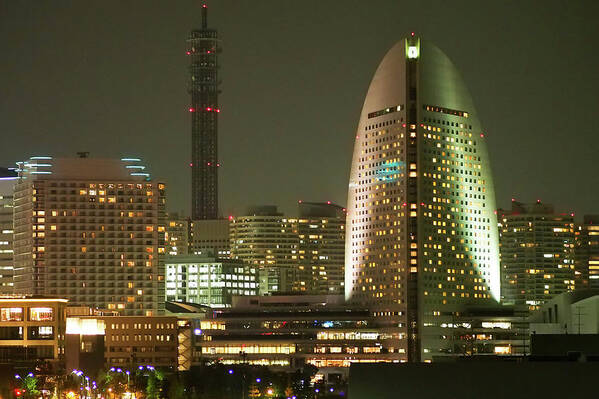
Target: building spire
[204, 16]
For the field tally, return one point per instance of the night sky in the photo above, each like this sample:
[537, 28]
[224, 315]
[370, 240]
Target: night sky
[110, 77]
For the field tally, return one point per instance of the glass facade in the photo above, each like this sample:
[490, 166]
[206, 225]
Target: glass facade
[208, 281]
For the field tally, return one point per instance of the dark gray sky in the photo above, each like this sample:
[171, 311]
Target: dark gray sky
[110, 77]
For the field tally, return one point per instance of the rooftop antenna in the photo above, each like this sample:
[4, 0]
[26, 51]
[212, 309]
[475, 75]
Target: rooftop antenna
[204, 16]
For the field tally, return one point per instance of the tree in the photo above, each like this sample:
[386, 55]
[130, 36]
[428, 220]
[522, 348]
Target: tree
[154, 384]
[176, 390]
[29, 386]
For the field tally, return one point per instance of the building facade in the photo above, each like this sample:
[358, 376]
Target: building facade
[203, 47]
[207, 280]
[587, 253]
[7, 182]
[92, 231]
[32, 329]
[267, 240]
[287, 332]
[177, 235]
[421, 235]
[210, 236]
[293, 254]
[568, 313]
[321, 249]
[122, 341]
[321, 330]
[537, 253]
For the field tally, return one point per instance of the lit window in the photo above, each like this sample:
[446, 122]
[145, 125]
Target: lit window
[41, 314]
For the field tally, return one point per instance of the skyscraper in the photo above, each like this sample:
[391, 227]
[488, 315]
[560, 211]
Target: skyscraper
[537, 253]
[203, 48]
[421, 237]
[321, 248]
[293, 254]
[177, 235]
[267, 240]
[7, 182]
[92, 231]
[587, 253]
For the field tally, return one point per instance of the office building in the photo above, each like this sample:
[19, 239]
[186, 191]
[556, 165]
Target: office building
[267, 240]
[286, 332]
[7, 182]
[421, 237]
[208, 281]
[537, 253]
[32, 329]
[210, 236]
[587, 253]
[289, 331]
[185, 236]
[203, 47]
[177, 235]
[98, 343]
[321, 249]
[92, 231]
[303, 254]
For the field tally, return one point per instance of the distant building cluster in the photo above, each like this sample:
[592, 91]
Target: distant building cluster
[420, 267]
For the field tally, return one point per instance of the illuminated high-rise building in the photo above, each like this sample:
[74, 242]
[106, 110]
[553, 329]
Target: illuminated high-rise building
[267, 240]
[587, 253]
[91, 231]
[203, 47]
[537, 253]
[302, 254]
[321, 248]
[421, 236]
[7, 181]
[177, 235]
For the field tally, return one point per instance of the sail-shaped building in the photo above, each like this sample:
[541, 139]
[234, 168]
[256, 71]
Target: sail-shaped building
[421, 237]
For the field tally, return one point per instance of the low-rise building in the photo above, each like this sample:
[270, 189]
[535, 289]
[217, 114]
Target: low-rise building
[290, 331]
[569, 313]
[209, 281]
[32, 328]
[122, 341]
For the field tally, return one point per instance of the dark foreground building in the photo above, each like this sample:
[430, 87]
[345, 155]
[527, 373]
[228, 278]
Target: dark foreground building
[473, 379]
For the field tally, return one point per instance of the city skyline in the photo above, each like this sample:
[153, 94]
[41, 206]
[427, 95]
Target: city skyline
[529, 56]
